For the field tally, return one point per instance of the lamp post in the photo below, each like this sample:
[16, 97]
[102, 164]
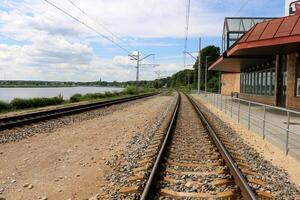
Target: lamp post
[206, 73]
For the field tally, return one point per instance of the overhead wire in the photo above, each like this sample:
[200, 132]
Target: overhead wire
[99, 24]
[88, 26]
[241, 8]
[187, 17]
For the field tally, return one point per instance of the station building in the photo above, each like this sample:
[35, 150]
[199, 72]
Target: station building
[263, 64]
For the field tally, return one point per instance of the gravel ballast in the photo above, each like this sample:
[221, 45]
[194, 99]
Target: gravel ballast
[277, 180]
[135, 150]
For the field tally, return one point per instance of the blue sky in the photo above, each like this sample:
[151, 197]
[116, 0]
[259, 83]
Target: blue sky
[39, 42]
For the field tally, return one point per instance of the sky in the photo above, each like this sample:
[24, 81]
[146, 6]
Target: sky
[39, 42]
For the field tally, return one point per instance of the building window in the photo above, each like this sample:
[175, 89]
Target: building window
[259, 82]
[298, 87]
[268, 85]
[272, 82]
[298, 78]
[263, 91]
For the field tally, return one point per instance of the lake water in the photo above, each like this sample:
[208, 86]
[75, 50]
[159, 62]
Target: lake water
[8, 94]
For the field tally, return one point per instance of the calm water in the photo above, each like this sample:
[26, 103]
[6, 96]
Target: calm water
[7, 94]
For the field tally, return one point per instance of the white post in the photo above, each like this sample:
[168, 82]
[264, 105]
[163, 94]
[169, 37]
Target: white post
[287, 133]
[231, 106]
[239, 107]
[264, 123]
[249, 115]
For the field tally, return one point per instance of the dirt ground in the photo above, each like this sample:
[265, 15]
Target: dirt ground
[270, 152]
[70, 163]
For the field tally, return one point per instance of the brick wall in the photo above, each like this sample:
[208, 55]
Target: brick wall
[292, 101]
[230, 83]
[270, 100]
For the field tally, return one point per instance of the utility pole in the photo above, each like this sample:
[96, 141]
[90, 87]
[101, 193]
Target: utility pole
[199, 66]
[137, 72]
[158, 76]
[206, 74]
[138, 60]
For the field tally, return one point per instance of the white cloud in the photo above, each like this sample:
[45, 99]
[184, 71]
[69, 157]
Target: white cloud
[59, 60]
[54, 47]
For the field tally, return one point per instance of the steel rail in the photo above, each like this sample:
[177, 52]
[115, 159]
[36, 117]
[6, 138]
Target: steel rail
[151, 180]
[24, 119]
[239, 179]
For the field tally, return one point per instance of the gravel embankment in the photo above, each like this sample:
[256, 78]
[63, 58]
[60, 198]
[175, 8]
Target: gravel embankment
[277, 181]
[135, 150]
[49, 126]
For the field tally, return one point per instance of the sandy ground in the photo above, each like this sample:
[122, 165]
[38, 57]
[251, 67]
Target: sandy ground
[70, 163]
[265, 148]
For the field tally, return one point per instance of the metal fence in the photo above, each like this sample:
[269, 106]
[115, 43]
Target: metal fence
[278, 125]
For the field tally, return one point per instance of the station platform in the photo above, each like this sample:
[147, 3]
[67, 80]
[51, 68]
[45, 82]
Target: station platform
[276, 128]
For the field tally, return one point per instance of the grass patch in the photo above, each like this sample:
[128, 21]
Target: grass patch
[129, 90]
[18, 103]
[169, 92]
[4, 106]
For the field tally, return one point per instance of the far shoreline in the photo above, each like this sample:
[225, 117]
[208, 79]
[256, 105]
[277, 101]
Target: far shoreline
[59, 86]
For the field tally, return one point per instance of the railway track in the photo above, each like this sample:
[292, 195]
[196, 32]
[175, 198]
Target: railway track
[191, 161]
[24, 119]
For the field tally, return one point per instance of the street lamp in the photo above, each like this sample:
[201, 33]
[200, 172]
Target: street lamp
[206, 73]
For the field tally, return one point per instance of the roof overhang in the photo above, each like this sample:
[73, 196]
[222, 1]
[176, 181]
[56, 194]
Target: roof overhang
[267, 47]
[235, 63]
[262, 42]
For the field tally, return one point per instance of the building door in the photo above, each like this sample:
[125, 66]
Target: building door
[282, 80]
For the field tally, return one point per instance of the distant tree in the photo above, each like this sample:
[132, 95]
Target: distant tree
[213, 52]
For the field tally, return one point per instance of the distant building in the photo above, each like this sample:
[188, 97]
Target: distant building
[264, 64]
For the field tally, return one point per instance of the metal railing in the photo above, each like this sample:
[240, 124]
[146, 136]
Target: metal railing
[270, 121]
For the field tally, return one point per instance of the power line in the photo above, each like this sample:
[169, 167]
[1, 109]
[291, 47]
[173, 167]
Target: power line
[88, 26]
[187, 17]
[99, 24]
[241, 8]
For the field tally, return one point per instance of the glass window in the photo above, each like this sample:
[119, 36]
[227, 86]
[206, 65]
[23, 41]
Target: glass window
[268, 85]
[298, 87]
[255, 83]
[241, 82]
[263, 89]
[250, 83]
[259, 83]
[246, 83]
[272, 82]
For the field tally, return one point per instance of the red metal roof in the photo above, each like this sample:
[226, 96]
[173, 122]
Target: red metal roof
[274, 32]
[265, 38]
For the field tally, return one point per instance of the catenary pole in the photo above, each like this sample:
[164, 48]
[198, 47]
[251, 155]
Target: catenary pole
[199, 65]
[137, 71]
[206, 71]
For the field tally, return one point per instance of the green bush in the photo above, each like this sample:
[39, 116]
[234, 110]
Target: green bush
[18, 103]
[76, 98]
[4, 106]
[109, 94]
[130, 89]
